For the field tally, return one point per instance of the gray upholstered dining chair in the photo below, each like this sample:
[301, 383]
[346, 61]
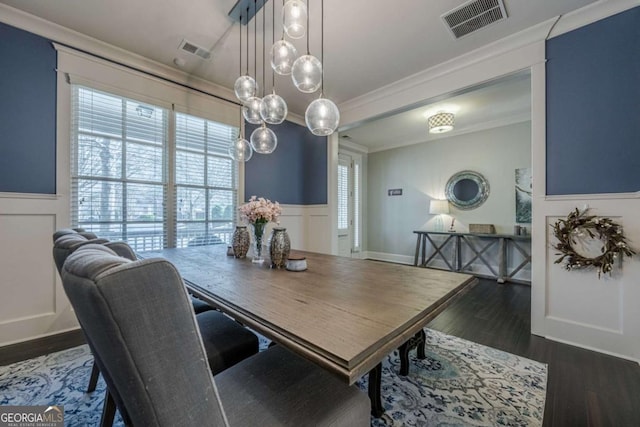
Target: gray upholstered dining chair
[226, 341]
[141, 325]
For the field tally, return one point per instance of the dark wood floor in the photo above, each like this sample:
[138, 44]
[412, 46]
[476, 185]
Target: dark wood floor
[584, 388]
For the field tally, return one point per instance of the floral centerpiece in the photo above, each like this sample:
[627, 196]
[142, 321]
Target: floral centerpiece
[259, 211]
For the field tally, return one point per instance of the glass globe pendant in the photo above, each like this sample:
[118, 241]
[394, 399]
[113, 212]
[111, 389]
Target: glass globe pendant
[283, 55]
[251, 110]
[273, 109]
[307, 73]
[240, 150]
[294, 15]
[263, 140]
[322, 117]
[245, 87]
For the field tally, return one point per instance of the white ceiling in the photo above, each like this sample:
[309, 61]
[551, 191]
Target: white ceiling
[498, 103]
[368, 43]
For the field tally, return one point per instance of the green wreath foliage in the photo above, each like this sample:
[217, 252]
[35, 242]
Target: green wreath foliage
[610, 233]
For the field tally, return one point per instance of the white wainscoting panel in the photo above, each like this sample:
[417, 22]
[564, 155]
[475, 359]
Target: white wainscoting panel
[33, 303]
[577, 307]
[308, 227]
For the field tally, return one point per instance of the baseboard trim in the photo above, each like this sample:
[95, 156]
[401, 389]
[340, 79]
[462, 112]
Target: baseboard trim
[590, 348]
[40, 346]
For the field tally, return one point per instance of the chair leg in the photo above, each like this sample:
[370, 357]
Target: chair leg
[108, 410]
[93, 379]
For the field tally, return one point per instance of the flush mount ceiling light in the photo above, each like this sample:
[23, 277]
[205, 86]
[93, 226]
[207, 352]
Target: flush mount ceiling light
[441, 122]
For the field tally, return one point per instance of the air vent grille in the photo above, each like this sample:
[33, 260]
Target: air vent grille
[194, 50]
[474, 15]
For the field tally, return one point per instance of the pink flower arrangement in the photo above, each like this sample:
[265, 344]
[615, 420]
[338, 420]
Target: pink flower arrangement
[260, 210]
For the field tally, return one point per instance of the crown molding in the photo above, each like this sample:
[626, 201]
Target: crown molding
[590, 14]
[65, 36]
[501, 54]
[353, 146]
[485, 53]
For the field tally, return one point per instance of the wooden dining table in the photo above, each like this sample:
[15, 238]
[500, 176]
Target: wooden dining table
[344, 314]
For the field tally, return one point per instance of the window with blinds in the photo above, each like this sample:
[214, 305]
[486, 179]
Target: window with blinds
[343, 197]
[206, 182]
[356, 206]
[121, 185]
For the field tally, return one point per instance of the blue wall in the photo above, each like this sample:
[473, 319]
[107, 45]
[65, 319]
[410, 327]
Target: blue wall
[593, 107]
[27, 112]
[295, 173]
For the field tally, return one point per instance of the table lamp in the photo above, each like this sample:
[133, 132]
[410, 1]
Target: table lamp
[439, 207]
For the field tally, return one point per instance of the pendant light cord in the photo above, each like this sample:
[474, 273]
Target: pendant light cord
[308, 7]
[321, 47]
[255, 40]
[247, 52]
[273, 41]
[282, 18]
[264, 12]
[240, 133]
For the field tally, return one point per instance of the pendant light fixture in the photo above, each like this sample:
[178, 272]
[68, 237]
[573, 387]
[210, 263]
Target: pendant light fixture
[240, 150]
[307, 70]
[322, 116]
[283, 53]
[273, 109]
[251, 108]
[294, 13]
[245, 86]
[263, 139]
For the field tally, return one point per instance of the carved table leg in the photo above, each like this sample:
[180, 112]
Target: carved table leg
[404, 358]
[421, 339]
[375, 383]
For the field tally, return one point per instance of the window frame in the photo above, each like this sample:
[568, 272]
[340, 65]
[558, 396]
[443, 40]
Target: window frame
[169, 183]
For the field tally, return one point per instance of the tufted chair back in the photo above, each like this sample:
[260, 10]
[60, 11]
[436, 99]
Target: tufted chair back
[157, 364]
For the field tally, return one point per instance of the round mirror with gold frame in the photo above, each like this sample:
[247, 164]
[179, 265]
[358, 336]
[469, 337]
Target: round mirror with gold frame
[467, 190]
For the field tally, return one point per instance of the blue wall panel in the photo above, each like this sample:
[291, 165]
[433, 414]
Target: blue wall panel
[295, 173]
[593, 107]
[27, 112]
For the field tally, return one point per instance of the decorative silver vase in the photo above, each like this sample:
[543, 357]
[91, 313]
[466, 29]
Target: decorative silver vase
[279, 247]
[241, 241]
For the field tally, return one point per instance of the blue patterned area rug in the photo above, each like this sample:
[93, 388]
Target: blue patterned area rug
[460, 383]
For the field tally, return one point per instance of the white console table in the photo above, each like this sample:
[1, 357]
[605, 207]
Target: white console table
[479, 245]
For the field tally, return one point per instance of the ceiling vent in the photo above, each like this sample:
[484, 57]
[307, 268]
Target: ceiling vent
[191, 48]
[474, 15]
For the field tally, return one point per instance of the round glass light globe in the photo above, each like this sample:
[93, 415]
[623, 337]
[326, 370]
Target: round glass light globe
[245, 87]
[263, 140]
[240, 150]
[294, 16]
[283, 55]
[307, 73]
[273, 109]
[251, 110]
[322, 117]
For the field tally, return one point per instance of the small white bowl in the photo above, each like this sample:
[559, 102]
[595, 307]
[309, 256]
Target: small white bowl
[296, 264]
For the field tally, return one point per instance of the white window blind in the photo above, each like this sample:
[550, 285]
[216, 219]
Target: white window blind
[121, 152]
[343, 197]
[206, 181]
[118, 174]
[356, 205]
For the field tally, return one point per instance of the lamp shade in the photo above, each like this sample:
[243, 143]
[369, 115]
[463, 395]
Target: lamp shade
[438, 207]
[441, 122]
